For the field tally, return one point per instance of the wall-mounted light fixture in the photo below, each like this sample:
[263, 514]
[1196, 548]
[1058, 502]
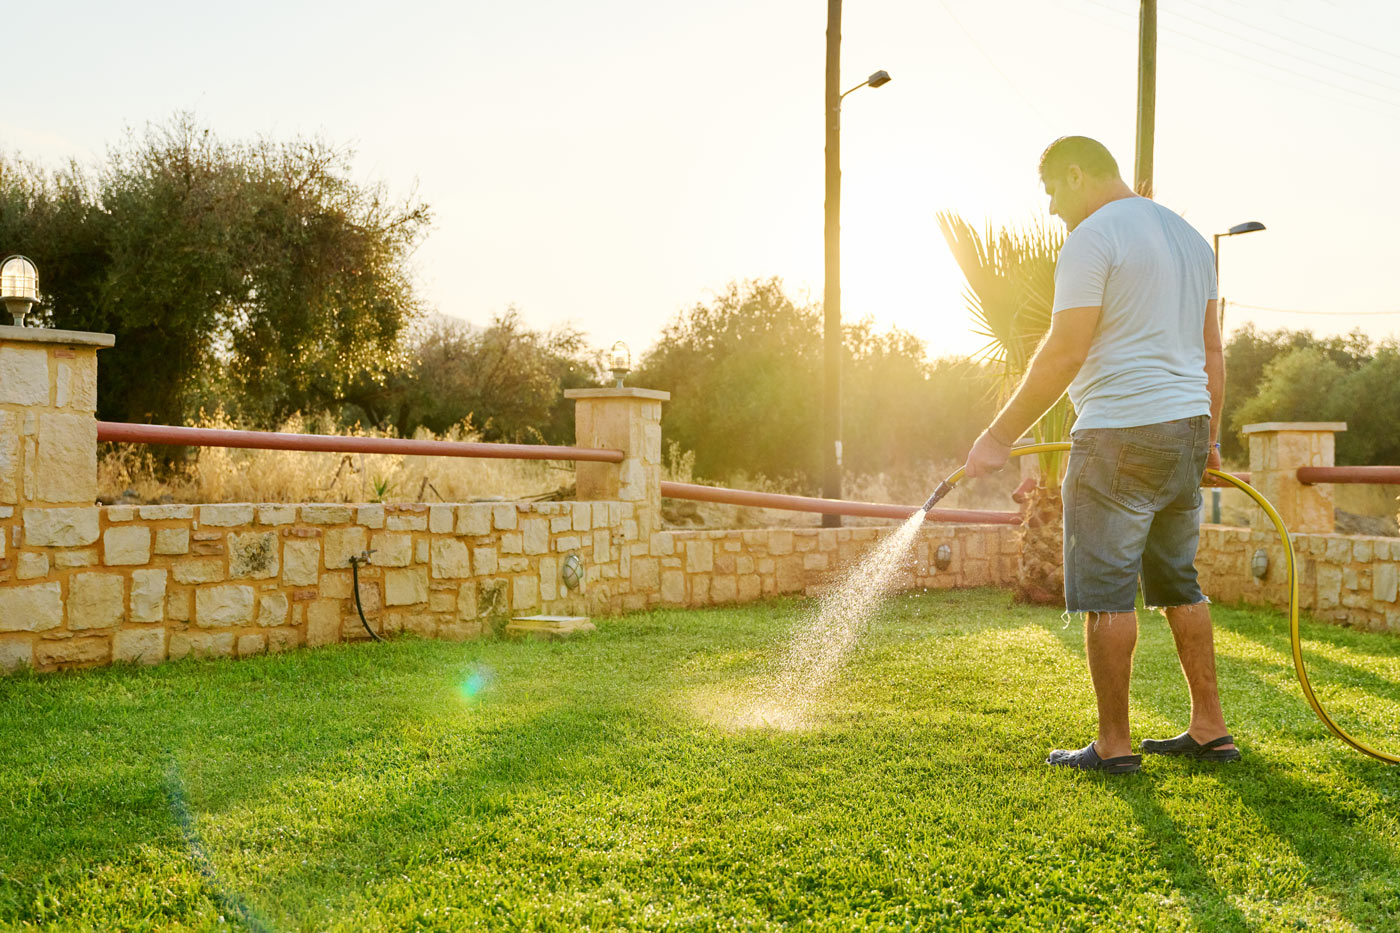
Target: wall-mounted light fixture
[19, 286]
[1259, 565]
[943, 557]
[620, 361]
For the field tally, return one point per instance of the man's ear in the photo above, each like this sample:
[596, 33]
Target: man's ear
[1074, 176]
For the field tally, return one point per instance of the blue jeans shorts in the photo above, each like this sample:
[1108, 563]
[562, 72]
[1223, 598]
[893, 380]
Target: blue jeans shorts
[1132, 499]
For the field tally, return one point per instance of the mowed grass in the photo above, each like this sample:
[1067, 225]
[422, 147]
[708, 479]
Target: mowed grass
[598, 784]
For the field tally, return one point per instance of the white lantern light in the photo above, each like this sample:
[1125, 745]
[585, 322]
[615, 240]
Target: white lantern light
[620, 361]
[19, 287]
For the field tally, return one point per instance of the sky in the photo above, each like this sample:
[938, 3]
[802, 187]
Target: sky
[608, 165]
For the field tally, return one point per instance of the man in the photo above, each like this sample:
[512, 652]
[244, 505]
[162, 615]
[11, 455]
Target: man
[1135, 337]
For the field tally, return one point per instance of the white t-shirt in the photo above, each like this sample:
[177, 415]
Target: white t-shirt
[1152, 274]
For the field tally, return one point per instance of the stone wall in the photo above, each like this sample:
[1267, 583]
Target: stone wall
[1349, 579]
[145, 584]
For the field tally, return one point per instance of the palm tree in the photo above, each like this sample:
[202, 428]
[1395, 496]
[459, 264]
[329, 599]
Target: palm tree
[1010, 291]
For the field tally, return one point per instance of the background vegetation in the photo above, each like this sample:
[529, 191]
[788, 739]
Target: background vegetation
[259, 283]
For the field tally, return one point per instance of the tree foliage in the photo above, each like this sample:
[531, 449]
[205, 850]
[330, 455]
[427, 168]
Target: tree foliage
[260, 268]
[745, 374]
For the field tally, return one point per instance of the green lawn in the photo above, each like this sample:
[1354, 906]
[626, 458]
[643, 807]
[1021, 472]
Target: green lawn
[592, 784]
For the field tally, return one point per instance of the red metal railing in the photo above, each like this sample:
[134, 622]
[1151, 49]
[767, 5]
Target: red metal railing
[1349, 474]
[269, 440]
[768, 500]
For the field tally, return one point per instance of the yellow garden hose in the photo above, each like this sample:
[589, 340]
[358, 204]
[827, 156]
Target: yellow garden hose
[1294, 635]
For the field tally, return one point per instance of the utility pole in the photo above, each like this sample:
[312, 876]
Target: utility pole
[831, 289]
[1147, 97]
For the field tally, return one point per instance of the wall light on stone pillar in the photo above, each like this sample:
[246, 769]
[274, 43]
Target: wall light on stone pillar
[19, 286]
[620, 361]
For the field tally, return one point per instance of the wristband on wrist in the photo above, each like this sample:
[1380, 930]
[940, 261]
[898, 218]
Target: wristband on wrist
[993, 435]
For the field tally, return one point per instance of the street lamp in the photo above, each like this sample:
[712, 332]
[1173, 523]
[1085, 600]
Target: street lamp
[19, 287]
[1248, 227]
[831, 291]
[620, 361]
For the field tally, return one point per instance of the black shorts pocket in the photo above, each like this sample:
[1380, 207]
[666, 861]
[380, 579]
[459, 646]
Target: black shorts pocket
[1143, 477]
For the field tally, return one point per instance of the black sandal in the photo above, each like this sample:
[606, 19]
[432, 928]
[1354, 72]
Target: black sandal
[1184, 746]
[1087, 759]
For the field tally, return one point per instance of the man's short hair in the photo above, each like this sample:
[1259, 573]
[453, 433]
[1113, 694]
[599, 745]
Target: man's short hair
[1092, 157]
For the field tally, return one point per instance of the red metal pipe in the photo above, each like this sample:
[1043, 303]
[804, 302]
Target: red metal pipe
[1349, 474]
[269, 440]
[768, 500]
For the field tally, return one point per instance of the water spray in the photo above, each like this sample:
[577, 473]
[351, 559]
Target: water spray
[1290, 561]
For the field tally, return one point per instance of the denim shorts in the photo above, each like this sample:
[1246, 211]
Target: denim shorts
[1132, 499]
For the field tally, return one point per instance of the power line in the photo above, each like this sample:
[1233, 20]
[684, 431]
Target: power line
[1241, 304]
[1287, 38]
[1004, 76]
[1272, 48]
[1337, 35]
[1268, 64]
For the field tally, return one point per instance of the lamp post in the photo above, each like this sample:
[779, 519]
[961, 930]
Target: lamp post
[1237, 229]
[831, 289]
[620, 361]
[19, 287]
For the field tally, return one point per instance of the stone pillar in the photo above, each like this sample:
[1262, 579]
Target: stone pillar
[629, 420]
[48, 473]
[1276, 450]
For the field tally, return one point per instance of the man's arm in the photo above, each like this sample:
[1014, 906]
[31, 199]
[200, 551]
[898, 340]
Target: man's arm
[1215, 378]
[1052, 369]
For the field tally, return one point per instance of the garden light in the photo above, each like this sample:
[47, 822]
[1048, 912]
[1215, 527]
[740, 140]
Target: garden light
[19, 287]
[620, 361]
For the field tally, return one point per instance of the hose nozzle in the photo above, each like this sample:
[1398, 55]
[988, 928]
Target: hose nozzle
[943, 489]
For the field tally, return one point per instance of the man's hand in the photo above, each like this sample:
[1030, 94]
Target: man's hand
[1212, 463]
[986, 456]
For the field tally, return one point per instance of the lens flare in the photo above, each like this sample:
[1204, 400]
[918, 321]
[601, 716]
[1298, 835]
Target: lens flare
[476, 683]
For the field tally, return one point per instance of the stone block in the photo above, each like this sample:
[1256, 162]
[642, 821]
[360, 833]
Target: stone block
[301, 562]
[512, 542]
[24, 375]
[158, 513]
[138, 646]
[15, 653]
[566, 543]
[322, 622]
[172, 541]
[699, 555]
[218, 606]
[407, 587]
[91, 650]
[253, 555]
[126, 546]
[391, 550]
[327, 514]
[370, 516]
[673, 587]
[815, 560]
[72, 527]
[466, 601]
[485, 560]
[474, 520]
[750, 587]
[198, 570]
[249, 645]
[725, 589]
[406, 521]
[276, 515]
[148, 595]
[789, 574]
[535, 535]
[439, 601]
[337, 585]
[96, 600]
[343, 544]
[67, 464]
[581, 514]
[282, 639]
[201, 645]
[440, 519]
[503, 517]
[226, 515]
[9, 457]
[273, 609]
[76, 383]
[645, 574]
[524, 592]
[420, 551]
[120, 513]
[700, 590]
[450, 559]
[779, 542]
[35, 608]
[1384, 578]
[31, 565]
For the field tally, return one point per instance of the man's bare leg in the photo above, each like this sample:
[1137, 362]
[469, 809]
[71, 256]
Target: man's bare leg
[1109, 639]
[1195, 646]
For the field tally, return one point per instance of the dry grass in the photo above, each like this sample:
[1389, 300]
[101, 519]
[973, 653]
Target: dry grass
[129, 472]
